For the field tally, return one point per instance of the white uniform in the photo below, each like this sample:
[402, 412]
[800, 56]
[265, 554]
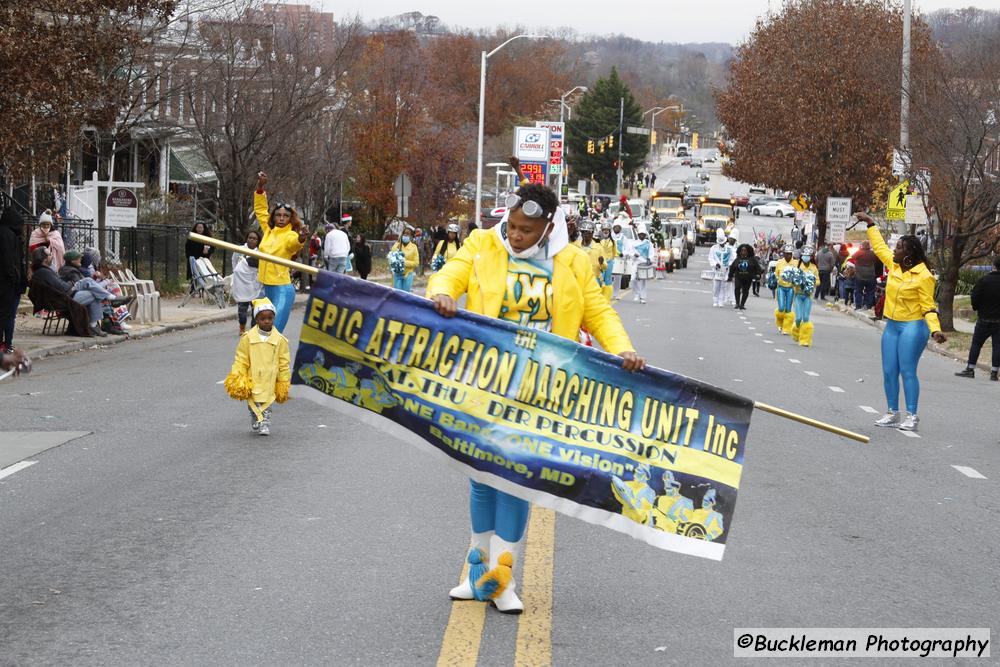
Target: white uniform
[718, 256]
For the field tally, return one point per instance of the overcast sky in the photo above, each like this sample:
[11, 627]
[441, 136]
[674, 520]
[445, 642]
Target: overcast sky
[650, 20]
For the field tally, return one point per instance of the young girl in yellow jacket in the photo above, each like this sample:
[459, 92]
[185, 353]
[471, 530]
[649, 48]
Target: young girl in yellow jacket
[282, 235]
[523, 270]
[261, 372]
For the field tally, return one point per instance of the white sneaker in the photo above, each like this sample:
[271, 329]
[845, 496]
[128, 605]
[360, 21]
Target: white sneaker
[265, 428]
[910, 423]
[889, 419]
[642, 301]
[635, 299]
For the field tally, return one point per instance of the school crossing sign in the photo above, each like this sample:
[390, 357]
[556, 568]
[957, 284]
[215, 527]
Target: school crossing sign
[896, 205]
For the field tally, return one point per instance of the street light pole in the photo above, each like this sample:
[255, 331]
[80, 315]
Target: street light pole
[904, 111]
[482, 120]
[562, 107]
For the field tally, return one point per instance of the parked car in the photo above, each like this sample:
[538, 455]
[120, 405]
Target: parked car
[756, 200]
[703, 175]
[778, 209]
[740, 200]
[696, 163]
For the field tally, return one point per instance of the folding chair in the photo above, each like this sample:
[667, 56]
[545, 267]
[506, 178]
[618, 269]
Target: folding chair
[142, 312]
[213, 284]
[149, 291]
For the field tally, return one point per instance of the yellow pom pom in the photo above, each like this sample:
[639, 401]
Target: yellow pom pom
[239, 387]
[281, 390]
[506, 559]
[493, 583]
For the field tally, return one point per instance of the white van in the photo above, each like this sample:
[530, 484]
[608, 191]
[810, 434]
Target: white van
[683, 149]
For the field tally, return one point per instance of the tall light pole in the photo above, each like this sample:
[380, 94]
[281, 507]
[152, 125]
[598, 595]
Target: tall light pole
[675, 107]
[482, 118]
[562, 107]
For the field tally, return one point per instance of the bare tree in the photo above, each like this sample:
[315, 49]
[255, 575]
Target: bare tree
[264, 100]
[956, 140]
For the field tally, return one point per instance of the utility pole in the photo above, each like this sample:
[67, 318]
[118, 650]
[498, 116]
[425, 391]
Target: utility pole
[904, 109]
[621, 132]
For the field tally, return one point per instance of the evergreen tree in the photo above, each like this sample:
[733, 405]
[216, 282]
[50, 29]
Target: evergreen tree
[595, 119]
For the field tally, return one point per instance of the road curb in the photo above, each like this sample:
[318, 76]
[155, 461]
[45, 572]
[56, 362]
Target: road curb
[157, 330]
[863, 316]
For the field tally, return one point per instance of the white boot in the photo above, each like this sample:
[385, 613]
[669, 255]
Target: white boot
[477, 566]
[503, 557]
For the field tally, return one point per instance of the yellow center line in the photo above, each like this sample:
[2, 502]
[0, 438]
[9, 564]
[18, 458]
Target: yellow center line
[534, 628]
[460, 644]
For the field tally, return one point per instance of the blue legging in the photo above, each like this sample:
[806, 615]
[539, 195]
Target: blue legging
[902, 345]
[785, 299]
[283, 298]
[495, 510]
[404, 283]
[802, 305]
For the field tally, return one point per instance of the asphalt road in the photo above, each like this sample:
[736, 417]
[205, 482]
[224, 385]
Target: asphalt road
[170, 535]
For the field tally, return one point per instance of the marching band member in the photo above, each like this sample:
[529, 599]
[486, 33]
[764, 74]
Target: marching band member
[526, 271]
[802, 330]
[783, 316]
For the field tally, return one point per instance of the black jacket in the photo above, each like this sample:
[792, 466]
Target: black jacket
[43, 275]
[986, 297]
[70, 274]
[362, 257]
[745, 269]
[13, 273]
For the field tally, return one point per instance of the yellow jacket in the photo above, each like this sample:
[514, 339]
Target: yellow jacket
[446, 248]
[781, 266]
[279, 241]
[411, 255]
[909, 295]
[596, 252]
[261, 370]
[609, 248]
[480, 269]
[811, 268]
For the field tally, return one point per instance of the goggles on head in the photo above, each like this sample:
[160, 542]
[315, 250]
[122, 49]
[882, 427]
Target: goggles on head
[529, 207]
[283, 205]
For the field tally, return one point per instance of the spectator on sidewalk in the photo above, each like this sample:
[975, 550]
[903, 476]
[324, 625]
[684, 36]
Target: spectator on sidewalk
[336, 248]
[13, 279]
[986, 303]
[826, 262]
[45, 236]
[72, 271]
[196, 249]
[92, 295]
[867, 270]
[362, 256]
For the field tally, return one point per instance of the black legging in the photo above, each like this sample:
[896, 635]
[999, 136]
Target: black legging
[9, 299]
[742, 290]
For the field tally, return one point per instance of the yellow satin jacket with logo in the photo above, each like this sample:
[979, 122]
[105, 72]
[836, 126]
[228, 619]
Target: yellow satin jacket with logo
[480, 269]
[280, 241]
[909, 295]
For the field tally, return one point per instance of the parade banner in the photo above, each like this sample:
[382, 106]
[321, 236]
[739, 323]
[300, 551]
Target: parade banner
[652, 454]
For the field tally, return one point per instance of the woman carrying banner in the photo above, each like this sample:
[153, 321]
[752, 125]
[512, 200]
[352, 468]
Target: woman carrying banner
[910, 318]
[283, 235]
[529, 247]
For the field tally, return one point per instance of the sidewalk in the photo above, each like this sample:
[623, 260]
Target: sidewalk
[28, 329]
[961, 326]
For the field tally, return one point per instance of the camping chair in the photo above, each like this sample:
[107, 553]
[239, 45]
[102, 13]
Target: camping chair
[206, 281]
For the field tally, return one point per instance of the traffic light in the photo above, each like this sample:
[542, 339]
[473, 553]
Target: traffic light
[652, 138]
[602, 145]
[590, 146]
[611, 141]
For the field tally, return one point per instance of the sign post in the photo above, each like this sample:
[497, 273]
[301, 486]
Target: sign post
[557, 132]
[838, 215]
[896, 205]
[403, 188]
[121, 208]
[532, 149]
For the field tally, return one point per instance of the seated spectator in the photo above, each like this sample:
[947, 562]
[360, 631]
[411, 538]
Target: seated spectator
[71, 272]
[88, 292]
